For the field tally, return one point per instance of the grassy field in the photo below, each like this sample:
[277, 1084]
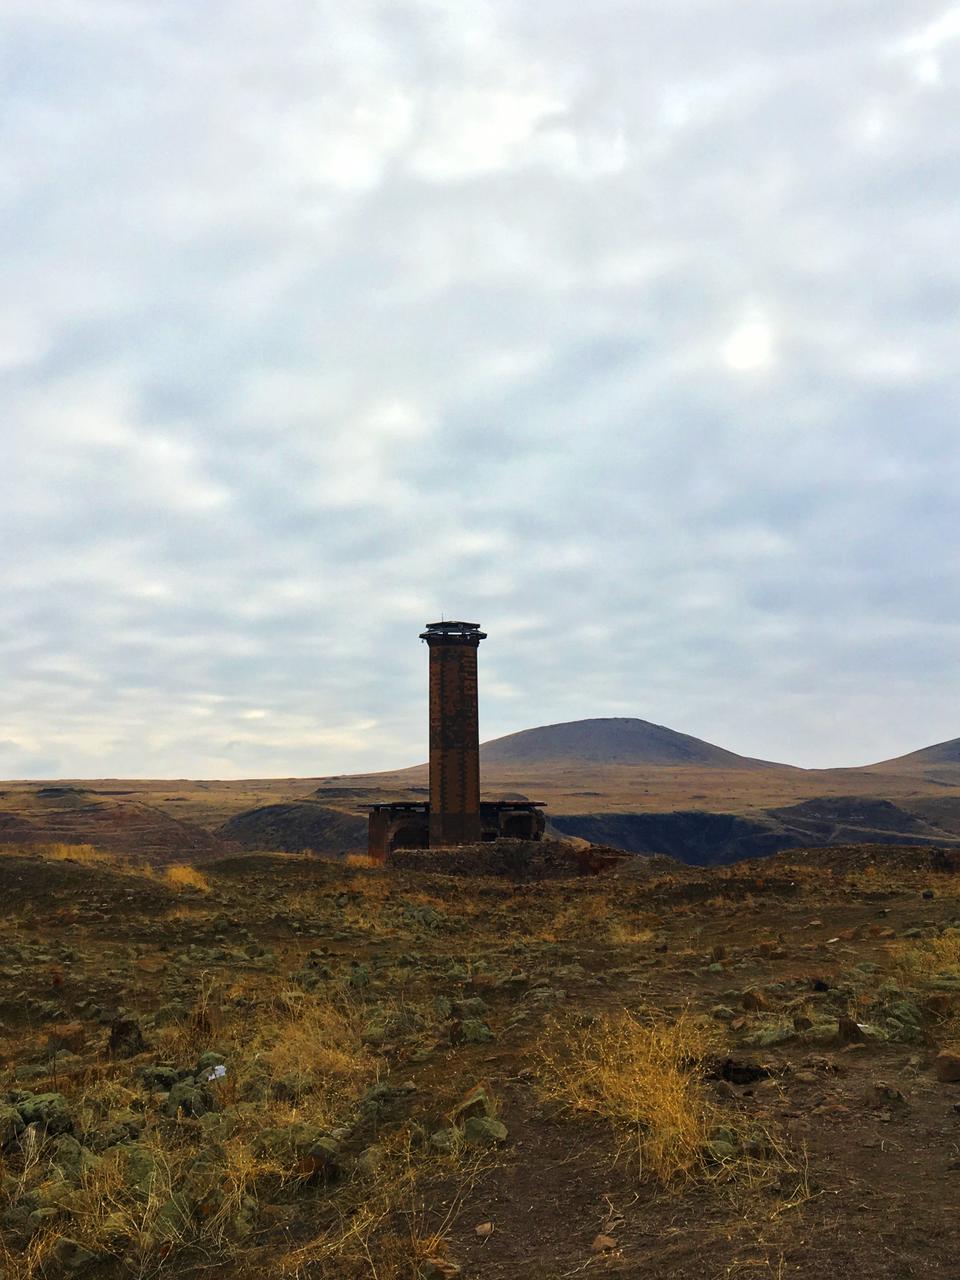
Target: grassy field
[164, 821]
[283, 1066]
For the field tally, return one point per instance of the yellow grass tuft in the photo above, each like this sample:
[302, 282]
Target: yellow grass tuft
[184, 877]
[593, 917]
[929, 957]
[361, 860]
[645, 1078]
[58, 851]
[316, 1047]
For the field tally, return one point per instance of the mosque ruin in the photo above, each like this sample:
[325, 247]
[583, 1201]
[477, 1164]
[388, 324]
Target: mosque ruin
[455, 814]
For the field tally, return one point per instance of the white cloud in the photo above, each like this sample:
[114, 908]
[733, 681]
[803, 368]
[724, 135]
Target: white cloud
[933, 35]
[628, 330]
[470, 132]
[750, 345]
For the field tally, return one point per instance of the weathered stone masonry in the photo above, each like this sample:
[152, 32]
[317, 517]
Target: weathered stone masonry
[454, 733]
[455, 814]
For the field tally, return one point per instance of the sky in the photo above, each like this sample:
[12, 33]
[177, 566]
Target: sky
[628, 330]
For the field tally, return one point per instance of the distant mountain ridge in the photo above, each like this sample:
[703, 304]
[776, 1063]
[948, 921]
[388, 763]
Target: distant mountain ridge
[939, 753]
[614, 740]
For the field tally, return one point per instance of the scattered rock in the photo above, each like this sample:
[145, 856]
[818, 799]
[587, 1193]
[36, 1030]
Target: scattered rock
[380, 1028]
[49, 1110]
[947, 1066]
[187, 1097]
[474, 1031]
[302, 1149]
[439, 1269]
[162, 1076]
[485, 1131]
[11, 1124]
[738, 1072]
[475, 1102]
[370, 1161]
[883, 1095]
[754, 1001]
[849, 1031]
[172, 1220]
[69, 1036]
[445, 1141]
[72, 1159]
[126, 1038]
[140, 1170]
[772, 1034]
[73, 1257]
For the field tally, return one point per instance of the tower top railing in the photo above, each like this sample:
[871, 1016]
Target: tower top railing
[453, 633]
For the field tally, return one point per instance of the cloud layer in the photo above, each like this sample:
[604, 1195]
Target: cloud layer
[628, 330]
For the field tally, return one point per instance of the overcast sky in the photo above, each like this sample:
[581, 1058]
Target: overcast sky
[627, 329]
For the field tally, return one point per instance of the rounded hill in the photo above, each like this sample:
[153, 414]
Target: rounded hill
[939, 753]
[617, 740]
[294, 826]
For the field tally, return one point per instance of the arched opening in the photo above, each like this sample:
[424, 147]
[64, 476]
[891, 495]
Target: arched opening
[411, 836]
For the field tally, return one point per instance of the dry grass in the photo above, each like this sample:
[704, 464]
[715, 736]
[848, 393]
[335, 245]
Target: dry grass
[573, 920]
[723, 904]
[57, 851]
[646, 1078]
[183, 877]
[929, 957]
[113, 1207]
[627, 933]
[98, 1210]
[297, 1057]
[314, 1046]
[593, 915]
[370, 888]
[300, 1055]
[383, 1229]
[361, 860]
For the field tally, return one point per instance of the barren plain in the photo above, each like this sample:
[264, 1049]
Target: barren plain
[537, 1062]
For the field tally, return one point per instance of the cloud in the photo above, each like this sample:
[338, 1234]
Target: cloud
[627, 330]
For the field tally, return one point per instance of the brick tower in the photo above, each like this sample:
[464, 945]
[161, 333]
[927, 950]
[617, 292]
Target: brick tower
[454, 732]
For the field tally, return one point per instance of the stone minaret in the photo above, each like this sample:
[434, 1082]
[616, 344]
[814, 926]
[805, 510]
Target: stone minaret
[454, 732]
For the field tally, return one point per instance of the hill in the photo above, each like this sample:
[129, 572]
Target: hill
[121, 822]
[294, 827]
[939, 753]
[618, 740]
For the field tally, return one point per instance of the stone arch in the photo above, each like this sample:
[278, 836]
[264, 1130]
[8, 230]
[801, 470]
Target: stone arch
[411, 835]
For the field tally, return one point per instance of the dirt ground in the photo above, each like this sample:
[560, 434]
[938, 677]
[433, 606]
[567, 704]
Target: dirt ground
[831, 987]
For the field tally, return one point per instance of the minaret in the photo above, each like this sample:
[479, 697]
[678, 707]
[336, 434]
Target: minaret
[454, 732]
